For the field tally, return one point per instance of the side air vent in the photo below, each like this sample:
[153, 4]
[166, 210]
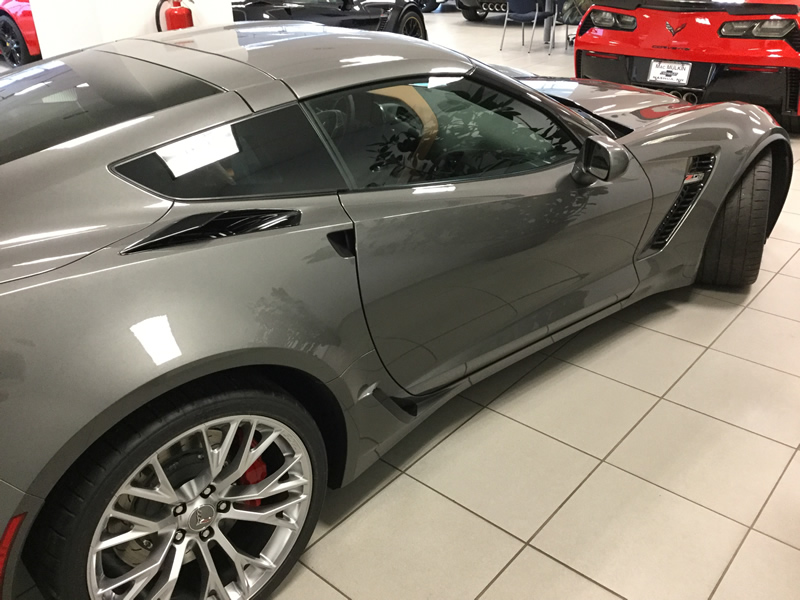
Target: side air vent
[700, 168]
[383, 21]
[211, 226]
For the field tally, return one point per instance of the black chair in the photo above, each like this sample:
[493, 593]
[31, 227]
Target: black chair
[527, 11]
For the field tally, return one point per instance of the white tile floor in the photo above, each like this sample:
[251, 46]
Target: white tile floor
[652, 456]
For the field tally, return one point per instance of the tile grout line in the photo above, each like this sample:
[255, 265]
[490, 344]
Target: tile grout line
[402, 471]
[742, 309]
[300, 560]
[766, 312]
[565, 565]
[457, 503]
[638, 389]
[601, 461]
[751, 529]
[700, 412]
[751, 361]
[358, 506]
[501, 571]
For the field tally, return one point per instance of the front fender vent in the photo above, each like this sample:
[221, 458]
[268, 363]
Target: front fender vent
[211, 226]
[697, 174]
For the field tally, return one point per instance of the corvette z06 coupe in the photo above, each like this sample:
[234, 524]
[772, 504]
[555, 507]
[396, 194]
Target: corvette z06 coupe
[395, 16]
[699, 50]
[238, 264]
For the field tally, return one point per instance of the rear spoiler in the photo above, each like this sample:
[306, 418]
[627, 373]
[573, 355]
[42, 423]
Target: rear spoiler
[732, 8]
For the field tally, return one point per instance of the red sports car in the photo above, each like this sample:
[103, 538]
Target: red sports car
[18, 41]
[699, 50]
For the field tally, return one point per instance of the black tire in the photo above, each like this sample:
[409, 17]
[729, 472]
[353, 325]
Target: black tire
[161, 7]
[12, 43]
[413, 25]
[57, 552]
[732, 256]
[473, 14]
[790, 123]
[429, 6]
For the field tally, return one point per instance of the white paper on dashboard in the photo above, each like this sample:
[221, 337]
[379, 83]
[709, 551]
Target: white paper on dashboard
[199, 150]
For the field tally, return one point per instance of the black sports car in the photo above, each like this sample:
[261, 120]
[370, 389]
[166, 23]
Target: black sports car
[396, 16]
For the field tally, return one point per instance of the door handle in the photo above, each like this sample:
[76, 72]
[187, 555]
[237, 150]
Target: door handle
[344, 242]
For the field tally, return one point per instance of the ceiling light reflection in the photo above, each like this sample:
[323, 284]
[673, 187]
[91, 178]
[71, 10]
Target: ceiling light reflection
[155, 336]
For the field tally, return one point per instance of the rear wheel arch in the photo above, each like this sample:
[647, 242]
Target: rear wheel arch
[327, 410]
[781, 179]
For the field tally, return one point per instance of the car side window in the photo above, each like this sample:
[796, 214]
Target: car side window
[438, 129]
[274, 153]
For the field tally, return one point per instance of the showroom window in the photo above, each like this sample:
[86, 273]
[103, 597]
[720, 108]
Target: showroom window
[274, 153]
[438, 129]
[62, 100]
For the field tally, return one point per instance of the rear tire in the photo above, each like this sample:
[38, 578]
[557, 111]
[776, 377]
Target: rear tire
[428, 6]
[732, 256]
[92, 502]
[473, 14]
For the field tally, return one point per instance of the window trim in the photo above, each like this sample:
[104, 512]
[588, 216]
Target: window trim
[112, 167]
[475, 76]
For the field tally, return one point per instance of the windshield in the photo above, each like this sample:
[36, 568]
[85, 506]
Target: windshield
[58, 101]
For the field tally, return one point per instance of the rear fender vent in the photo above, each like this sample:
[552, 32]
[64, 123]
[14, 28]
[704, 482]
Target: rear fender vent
[211, 226]
[697, 174]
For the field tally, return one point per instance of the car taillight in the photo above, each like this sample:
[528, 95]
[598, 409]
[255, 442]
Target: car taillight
[766, 29]
[605, 19]
[5, 545]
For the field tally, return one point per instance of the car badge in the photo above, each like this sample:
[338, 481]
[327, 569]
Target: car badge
[201, 517]
[674, 31]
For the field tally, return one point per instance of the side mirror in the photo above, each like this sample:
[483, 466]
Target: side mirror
[601, 158]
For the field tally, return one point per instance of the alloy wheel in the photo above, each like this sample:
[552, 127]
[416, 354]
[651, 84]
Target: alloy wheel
[10, 44]
[412, 27]
[211, 515]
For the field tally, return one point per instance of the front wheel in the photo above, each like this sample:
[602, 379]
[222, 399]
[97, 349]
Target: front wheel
[473, 14]
[412, 25]
[736, 243]
[214, 497]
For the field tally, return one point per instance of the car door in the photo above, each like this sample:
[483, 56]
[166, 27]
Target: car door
[472, 238]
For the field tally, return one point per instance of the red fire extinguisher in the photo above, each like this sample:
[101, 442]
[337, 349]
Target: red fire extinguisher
[178, 16]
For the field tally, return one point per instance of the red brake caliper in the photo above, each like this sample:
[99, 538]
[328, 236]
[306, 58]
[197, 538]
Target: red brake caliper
[255, 474]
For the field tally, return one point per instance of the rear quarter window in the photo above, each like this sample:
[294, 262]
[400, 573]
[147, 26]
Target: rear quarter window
[273, 153]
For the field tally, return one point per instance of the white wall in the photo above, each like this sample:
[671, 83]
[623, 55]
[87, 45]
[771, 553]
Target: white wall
[65, 26]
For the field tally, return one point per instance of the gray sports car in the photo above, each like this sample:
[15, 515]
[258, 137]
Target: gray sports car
[238, 264]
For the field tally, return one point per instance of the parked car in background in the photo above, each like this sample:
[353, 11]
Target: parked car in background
[701, 51]
[239, 264]
[18, 42]
[395, 16]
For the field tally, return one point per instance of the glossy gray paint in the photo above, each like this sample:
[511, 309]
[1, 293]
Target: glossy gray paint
[455, 277]
[82, 324]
